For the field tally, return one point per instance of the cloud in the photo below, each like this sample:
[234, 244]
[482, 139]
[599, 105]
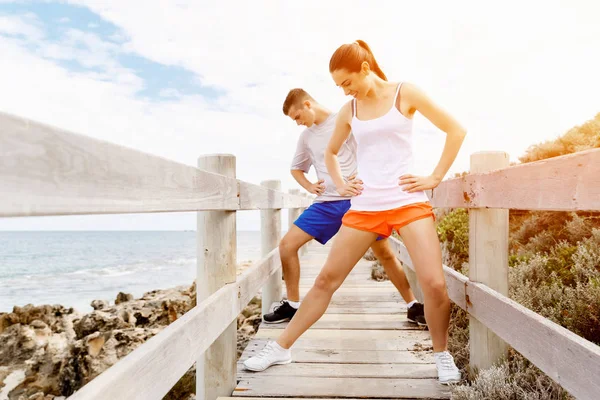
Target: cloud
[512, 73]
[25, 26]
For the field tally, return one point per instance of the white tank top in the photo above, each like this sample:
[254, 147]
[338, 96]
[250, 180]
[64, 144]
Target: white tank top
[384, 154]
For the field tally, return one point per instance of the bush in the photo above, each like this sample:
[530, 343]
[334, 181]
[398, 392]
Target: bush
[555, 271]
[453, 231]
[563, 286]
[514, 379]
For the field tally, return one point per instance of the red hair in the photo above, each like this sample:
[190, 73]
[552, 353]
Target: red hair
[351, 56]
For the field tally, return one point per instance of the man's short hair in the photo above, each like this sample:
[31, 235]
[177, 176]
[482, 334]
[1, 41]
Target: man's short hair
[294, 98]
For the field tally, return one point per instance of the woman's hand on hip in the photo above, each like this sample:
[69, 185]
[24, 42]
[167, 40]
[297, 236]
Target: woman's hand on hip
[412, 183]
[352, 187]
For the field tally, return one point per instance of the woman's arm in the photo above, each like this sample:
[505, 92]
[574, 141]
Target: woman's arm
[455, 134]
[352, 187]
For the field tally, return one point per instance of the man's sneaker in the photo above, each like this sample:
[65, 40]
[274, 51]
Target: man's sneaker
[271, 354]
[447, 370]
[281, 313]
[416, 314]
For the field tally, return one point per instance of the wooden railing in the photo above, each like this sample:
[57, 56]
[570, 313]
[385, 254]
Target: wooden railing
[567, 183]
[48, 171]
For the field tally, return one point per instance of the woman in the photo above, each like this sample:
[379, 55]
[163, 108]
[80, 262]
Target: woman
[386, 196]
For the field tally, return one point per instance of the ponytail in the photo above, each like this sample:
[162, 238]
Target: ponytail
[372, 63]
[351, 57]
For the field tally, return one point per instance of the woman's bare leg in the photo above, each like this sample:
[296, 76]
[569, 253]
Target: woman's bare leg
[423, 246]
[348, 247]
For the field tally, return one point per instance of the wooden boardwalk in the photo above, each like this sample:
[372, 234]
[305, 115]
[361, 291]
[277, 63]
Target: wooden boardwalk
[363, 347]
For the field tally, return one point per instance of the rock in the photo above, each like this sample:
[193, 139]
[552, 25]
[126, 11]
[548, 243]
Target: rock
[123, 297]
[99, 304]
[7, 320]
[378, 273]
[99, 321]
[57, 350]
[183, 387]
[10, 378]
[95, 342]
[37, 324]
[50, 315]
[17, 345]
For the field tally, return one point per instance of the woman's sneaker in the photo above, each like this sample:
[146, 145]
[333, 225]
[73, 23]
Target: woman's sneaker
[271, 354]
[416, 314]
[281, 313]
[448, 372]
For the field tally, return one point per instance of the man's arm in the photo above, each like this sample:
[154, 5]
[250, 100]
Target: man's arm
[353, 186]
[314, 188]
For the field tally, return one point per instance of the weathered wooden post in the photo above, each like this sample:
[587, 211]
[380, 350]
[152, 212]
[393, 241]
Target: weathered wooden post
[216, 265]
[270, 227]
[488, 261]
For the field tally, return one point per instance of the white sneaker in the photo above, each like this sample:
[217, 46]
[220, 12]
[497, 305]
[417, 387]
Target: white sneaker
[271, 354]
[447, 370]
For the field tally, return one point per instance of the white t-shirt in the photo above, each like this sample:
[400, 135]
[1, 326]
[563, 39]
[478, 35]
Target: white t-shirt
[310, 151]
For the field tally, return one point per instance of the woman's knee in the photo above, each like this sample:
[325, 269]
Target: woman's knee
[435, 287]
[327, 282]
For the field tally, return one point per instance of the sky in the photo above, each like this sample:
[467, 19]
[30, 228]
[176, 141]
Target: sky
[180, 79]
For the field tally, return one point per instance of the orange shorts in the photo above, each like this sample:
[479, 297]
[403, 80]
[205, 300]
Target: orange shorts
[384, 222]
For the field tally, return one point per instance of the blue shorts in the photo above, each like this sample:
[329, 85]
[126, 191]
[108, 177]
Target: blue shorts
[323, 220]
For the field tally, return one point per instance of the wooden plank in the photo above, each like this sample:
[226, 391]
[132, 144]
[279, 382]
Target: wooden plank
[355, 275]
[377, 287]
[565, 183]
[371, 298]
[361, 318]
[341, 387]
[409, 341]
[355, 321]
[339, 370]
[362, 282]
[570, 360]
[357, 303]
[216, 267]
[406, 351]
[362, 307]
[488, 263]
[152, 369]
[256, 197]
[45, 170]
[366, 309]
[253, 278]
[48, 171]
[268, 333]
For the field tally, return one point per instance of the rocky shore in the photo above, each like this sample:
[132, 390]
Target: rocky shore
[48, 352]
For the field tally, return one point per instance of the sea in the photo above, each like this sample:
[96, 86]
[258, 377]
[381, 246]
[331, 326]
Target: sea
[72, 268]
